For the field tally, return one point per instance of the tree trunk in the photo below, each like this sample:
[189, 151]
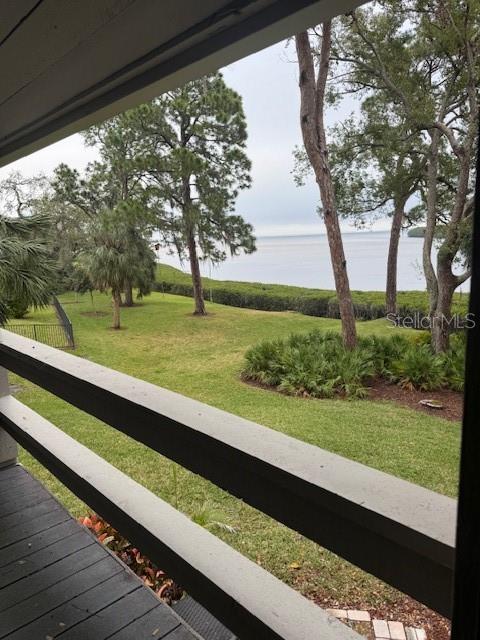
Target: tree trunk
[312, 93]
[339, 265]
[431, 222]
[446, 281]
[128, 301]
[117, 301]
[200, 309]
[442, 316]
[391, 289]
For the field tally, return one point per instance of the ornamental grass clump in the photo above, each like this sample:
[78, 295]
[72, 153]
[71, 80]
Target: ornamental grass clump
[314, 364]
[419, 368]
[318, 365]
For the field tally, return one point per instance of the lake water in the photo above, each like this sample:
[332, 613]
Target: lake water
[305, 261]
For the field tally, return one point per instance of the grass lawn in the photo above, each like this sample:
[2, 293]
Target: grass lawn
[201, 357]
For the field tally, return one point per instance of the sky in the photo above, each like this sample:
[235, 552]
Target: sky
[267, 81]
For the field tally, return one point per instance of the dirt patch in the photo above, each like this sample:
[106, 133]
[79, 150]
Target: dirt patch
[94, 314]
[452, 401]
[406, 610]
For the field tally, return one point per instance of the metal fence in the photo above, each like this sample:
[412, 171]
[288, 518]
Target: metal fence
[52, 334]
[55, 335]
[65, 322]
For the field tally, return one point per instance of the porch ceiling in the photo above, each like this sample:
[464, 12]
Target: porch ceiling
[65, 64]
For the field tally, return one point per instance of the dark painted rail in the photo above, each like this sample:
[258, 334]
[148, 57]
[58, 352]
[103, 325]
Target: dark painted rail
[398, 531]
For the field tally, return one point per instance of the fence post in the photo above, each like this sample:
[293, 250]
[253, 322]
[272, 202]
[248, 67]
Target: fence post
[8, 446]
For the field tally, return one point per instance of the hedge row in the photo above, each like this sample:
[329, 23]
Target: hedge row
[368, 305]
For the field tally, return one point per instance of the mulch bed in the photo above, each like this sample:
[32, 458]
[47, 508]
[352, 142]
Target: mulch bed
[406, 610]
[452, 401]
[379, 389]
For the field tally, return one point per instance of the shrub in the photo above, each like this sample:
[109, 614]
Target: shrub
[368, 305]
[17, 308]
[317, 364]
[314, 364]
[384, 350]
[453, 362]
[418, 368]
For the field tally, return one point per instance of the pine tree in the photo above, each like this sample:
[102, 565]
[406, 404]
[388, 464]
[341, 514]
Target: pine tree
[196, 138]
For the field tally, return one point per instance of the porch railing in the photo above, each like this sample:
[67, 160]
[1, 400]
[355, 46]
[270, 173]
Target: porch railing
[395, 530]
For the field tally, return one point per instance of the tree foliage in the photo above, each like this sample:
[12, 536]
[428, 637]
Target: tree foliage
[119, 256]
[417, 62]
[196, 166]
[26, 270]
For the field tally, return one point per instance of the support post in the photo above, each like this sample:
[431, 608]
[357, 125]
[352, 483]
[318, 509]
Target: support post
[8, 446]
[466, 602]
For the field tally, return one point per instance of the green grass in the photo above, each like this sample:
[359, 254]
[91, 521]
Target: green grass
[201, 357]
[46, 315]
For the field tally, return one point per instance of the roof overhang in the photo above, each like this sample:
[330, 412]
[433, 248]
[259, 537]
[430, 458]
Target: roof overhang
[68, 64]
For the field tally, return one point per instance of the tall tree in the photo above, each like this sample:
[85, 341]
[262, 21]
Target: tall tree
[123, 154]
[118, 256]
[197, 166]
[20, 195]
[422, 57]
[80, 206]
[377, 167]
[313, 88]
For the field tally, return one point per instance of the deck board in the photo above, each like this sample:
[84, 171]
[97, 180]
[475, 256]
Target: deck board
[25, 547]
[58, 581]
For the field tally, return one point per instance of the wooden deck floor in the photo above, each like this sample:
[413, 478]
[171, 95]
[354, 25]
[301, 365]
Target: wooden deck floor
[57, 580]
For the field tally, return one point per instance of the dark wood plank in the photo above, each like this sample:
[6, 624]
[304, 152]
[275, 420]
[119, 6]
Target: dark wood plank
[24, 548]
[79, 608]
[13, 471]
[53, 574]
[21, 501]
[30, 527]
[30, 513]
[56, 579]
[57, 594]
[9, 473]
[44, 558]
[19, 487]
[115, 617]
[153, 625]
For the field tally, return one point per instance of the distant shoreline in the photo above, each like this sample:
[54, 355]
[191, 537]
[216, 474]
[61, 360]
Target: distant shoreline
[303, 260]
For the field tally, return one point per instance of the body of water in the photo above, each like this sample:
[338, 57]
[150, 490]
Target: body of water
[305, 261]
